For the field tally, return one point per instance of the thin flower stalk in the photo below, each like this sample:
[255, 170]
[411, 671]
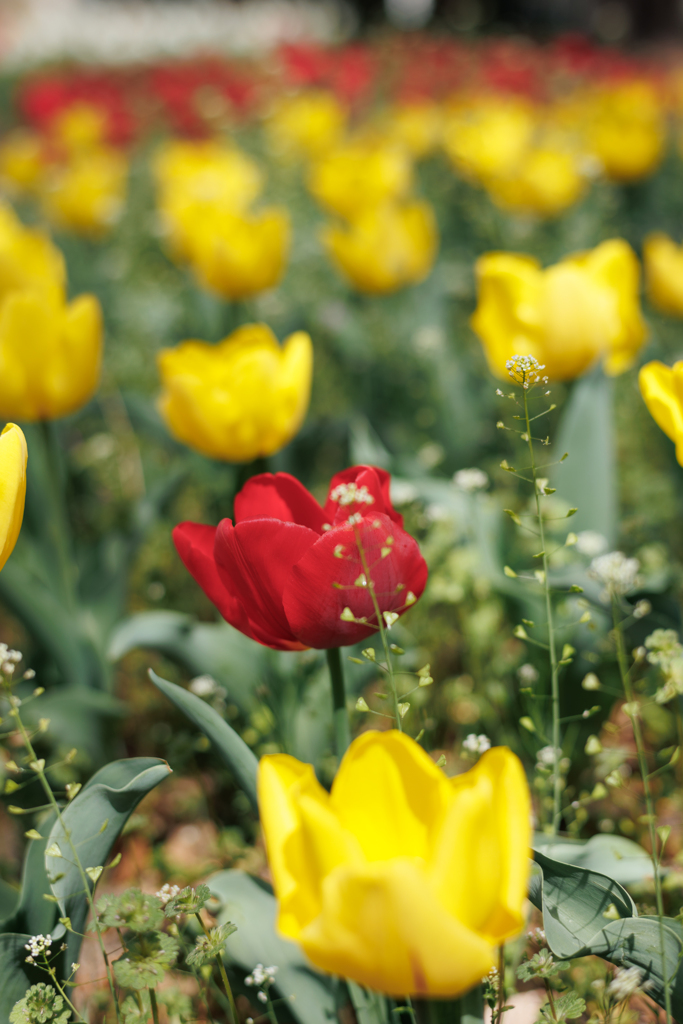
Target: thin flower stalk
[224, 976]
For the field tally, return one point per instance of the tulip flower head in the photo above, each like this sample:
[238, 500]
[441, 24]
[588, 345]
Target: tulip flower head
[359, 175]
[28, 259]
[306, 125]
[488, 137]
[626, 130]
[386, 247]
[86, 195]
[569, 316]
[663, 262]
[13, 457]
[291, 574]
[79, 127]
[400, 878]
[662, 388]
[241, 399]
[22, 161]
[417, 125]
[545, 182]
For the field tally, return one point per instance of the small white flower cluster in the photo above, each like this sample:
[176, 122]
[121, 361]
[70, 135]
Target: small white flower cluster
[536, 935]
[9, 659]
[626, 982]
[590, 543]
[474, 744]
[262, 977]
[471, 479]
[525, 371]
[36, 946]
[617, 573]
[546, 756]
[352, 494]
[527, 674]
[167, 892]
[203, 686]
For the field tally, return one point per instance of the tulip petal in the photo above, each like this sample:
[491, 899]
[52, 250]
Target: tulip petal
[480, 864]
[377, 482]
[13, 456]
[194, 543]
[381, 926]
[389, 793]
[658, 386]
[254, 560]
[278, 496]
[322, 583]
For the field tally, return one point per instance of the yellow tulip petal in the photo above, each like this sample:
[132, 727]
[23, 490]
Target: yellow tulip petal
[659, 387]
[389, 793]
[663, 261]
[480, 863]
[382, 926]
[13, 457]
[507, 317]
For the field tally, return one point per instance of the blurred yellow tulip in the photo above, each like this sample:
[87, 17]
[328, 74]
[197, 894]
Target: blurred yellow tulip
[663, 263]
[50, 354]
[626, 130]
[360, 174]
[584, 308]
[400, 879]
[239, 256]
[13, 457]
[241, 399]
[22, 160]
[546, 182]
[86, 195]
[306, 125]
[386, 247]
[196, 178]
[662, 388]
[488, 136]
[417, 125]
[79, 127]
[28, 259]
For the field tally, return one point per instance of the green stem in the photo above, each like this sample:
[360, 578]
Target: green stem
[551, 998]
[501, 983]
[53, 974]
[554, 666]
[382, 631]
[647, 791]
[340, 715]
[77, 861]
[224, 977]
[153, 1004]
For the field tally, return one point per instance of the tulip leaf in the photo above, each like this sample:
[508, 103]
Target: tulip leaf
[251, 906]
[586, 913]
[16, 976]
[94, 820]
[615, 856]
[370, 1007]
[33, 913]
[231, 747]
[588, 478]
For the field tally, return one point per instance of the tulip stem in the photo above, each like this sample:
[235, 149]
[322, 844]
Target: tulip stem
[625, 674]
[340, 715]
[552, 650]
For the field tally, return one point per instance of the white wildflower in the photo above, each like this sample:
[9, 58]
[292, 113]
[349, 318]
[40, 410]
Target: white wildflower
[474, 744]
[526, 371]
[527, 674]
[167, 892]
[616, 572]
[203, 686]
[471, 479]
[590, 543]
[352, 494]
[626, 982]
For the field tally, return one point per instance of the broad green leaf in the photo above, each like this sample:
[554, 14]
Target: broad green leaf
[16, 976]
[231, 747]
[587, 480]
[252, 907]
[33, 913]
[94, 819]
[9, 899]
[615, 856]
[370, 1007]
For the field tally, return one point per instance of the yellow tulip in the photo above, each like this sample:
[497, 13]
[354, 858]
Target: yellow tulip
[400, 879]
[488, 137]
[239, 256]
[28, 259]
[663, 261]
[50, 354]
[241, 399]
[22, 160]
[79, 127]
[87, 194]
[306, 125]
[385, 248]
[417, 125]
[13, 457]
[626, 130]
[584, 308]
[196, 178]
[662, 388]
[360, 174]
[546, 182]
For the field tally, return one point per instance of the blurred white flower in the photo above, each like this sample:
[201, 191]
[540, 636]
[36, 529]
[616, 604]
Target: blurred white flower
[471, 479]
[590, 543]
[616, 572]
[474, 744]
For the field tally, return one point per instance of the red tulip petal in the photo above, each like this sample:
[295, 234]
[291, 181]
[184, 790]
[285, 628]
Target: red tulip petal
[254, 560]
[376, 481]
[194, 543]
[279, 496]
[313, 604]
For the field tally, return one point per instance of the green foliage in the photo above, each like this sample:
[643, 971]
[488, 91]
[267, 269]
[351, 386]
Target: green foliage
[208, 947]
[188, 901]
[565, 1007]
[133, 909]
[147, 957]
[541, 965]
[42, 1004]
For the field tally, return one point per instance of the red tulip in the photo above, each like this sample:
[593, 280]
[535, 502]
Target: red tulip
[292, 575]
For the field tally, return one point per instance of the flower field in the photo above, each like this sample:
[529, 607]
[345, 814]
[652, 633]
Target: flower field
[341, 664]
